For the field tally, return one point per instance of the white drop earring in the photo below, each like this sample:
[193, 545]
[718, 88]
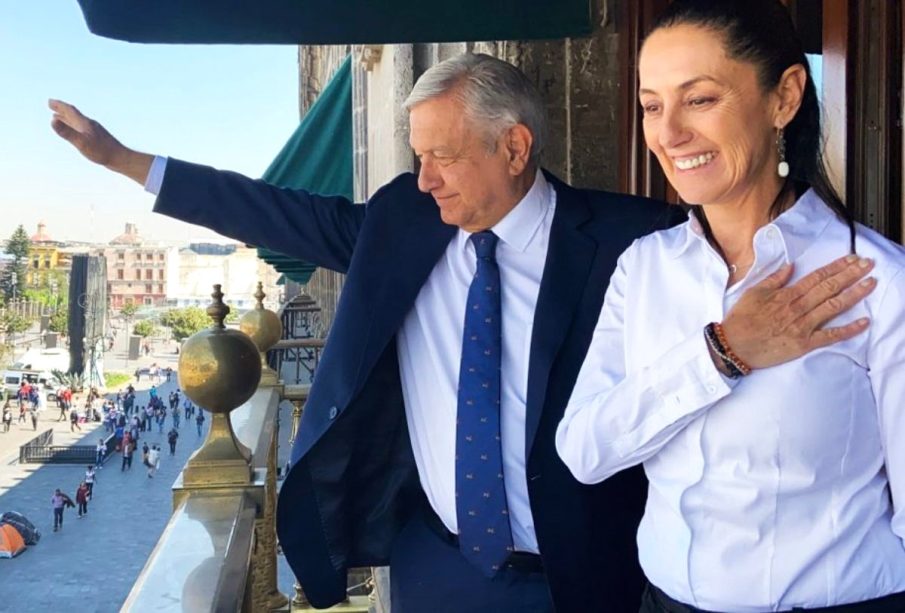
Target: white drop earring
[782, 169]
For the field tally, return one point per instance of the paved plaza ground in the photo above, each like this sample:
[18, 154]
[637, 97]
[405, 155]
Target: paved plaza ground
[91, 565]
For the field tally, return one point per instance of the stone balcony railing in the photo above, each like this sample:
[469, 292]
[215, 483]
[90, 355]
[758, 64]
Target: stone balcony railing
[218, 552]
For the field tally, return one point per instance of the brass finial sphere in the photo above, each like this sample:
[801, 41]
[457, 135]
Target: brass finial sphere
[262, 326]
[219, 369]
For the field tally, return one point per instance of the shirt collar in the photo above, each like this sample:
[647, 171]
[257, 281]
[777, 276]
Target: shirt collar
[518, 227]
[798, 226]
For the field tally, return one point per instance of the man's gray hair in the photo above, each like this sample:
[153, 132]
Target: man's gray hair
[496, 95]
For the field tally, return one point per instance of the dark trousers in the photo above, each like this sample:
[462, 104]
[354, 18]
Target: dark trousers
[83, 508]
[429, 574]
[90, 489]
[655, 600]
[58, 518]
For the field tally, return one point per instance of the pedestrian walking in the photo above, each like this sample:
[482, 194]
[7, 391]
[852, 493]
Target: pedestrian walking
[144, 454]
[171, 439]
[34, 418]
[99, 452]
[189, 409]
[74, 420]
[128, 450]
[61, 404]
[176, 417]
[90, 477]
[137, 375]
[7, 417]
[59, 501]
[153, 460]
[81, 498]
[199, 420]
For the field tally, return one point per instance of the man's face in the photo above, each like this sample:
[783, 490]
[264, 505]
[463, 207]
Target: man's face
[472, 185]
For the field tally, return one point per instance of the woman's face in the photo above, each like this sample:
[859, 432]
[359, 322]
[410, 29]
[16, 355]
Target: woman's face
[706, 117]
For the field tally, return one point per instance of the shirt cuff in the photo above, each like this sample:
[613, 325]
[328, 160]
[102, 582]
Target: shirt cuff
[155, 175]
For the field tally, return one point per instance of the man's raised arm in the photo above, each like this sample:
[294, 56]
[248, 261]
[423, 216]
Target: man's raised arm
[95, 143]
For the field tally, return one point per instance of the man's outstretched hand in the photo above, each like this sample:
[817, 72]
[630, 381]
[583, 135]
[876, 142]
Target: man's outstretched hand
[95, 143]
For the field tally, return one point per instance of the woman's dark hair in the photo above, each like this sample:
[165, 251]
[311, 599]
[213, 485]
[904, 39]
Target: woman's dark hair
[761, 33]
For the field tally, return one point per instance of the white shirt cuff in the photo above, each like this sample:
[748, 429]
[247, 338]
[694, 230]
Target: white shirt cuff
[155, 175]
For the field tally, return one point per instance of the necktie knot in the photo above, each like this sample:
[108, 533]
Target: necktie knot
[485, 244]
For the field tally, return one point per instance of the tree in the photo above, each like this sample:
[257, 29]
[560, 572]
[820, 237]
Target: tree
[13, 323]
[129, 310]
[185, 322]
[144, 328]
[18, 246]
[59, 322]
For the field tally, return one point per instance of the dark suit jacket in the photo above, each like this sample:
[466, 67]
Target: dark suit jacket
[353, 483]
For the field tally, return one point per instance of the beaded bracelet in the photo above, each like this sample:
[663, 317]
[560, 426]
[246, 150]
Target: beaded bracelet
[716, 338]
[731, 371]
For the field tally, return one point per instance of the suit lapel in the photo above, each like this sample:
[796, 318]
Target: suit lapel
[570, 255]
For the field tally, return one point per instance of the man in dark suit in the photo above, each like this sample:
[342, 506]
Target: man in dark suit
[472, 293]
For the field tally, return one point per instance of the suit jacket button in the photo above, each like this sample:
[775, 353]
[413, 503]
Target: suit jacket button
[333, 412]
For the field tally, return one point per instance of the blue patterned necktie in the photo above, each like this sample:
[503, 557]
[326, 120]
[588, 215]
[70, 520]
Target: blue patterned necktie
[485, 537]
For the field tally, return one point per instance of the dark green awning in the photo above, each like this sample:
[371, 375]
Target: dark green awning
[335, 21]
[317, 158]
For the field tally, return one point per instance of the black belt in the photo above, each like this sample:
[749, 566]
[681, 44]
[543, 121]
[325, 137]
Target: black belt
[519, 561]
[893, 603]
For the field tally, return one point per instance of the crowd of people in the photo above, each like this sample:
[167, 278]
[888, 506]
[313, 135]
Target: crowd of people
[127, 424]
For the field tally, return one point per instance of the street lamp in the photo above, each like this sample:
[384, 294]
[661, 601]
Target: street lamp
[13, 280]
[53, 294]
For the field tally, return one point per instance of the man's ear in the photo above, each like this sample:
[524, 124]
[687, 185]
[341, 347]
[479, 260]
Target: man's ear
[518, 142]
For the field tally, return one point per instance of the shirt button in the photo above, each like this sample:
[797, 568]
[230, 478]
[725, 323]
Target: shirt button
[677, 400]
[711, 389]
[771, 233]
[333, 412]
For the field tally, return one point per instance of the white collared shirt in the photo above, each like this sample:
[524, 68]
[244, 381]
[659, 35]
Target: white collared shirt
[430, 348]
[783, 489]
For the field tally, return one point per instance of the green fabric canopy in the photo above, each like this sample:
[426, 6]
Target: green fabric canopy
[317, 158]
[321, 22]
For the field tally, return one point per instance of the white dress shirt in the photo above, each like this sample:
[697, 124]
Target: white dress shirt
[783, 489]
[430, 348]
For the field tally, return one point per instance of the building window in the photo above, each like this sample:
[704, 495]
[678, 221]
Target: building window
[149, 274]
[160, 257]
[160, 289]
[120, 274]
[138, 275]
[47, 263]
[36, 263]
[148, 301]
[149, 288]
[149, 256]
[160, 274]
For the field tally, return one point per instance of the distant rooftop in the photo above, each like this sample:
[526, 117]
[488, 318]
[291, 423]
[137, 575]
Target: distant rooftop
[129, 237]
[42, 236]
[213, 248]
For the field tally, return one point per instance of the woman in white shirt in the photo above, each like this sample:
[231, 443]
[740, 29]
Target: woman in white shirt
[764, 399]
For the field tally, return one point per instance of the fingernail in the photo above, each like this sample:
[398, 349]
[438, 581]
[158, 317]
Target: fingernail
[866, 282]
[851, 258]
[864, 262]
[863, 321]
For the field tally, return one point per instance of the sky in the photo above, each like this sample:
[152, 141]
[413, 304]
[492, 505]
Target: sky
[228, 106]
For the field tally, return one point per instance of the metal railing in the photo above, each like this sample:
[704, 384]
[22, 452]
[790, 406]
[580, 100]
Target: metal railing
[41, 450]
[296, 359]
